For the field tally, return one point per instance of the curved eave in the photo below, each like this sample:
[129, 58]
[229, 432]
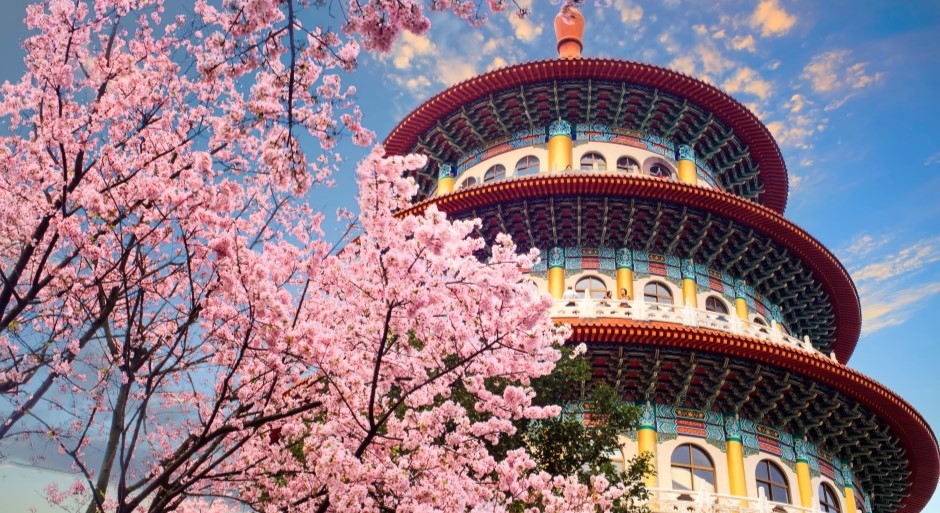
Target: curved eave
[831, 274]
[918, 440]
[753, 133]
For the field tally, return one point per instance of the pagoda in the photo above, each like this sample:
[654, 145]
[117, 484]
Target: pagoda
[657, 201]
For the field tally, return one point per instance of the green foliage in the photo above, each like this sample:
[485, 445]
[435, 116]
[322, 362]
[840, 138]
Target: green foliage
[583, 444]
[575, 444]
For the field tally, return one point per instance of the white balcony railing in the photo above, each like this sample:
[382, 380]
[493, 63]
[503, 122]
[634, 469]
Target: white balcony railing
[639, 310]
[672, 501]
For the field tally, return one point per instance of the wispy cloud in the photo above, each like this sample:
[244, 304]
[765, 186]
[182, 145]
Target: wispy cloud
[801, 122]
[893, 286]
[746, 80]
[909, 259]
[863, 245]
[895, 307]
[833, 71]
[771, 19]
[933, 159]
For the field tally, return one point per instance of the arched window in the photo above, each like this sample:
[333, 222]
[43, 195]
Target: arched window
[713, 304]
[528, 165]
[760, 320]
[627, 165]
[692, 469]
[828, 502]
[497, 172]
[771, 479]
[594, 286]
[593, 161]
[661, 171]
[656, 292]
[468, 182]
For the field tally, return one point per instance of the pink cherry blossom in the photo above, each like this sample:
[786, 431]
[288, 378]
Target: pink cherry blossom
[168, 297]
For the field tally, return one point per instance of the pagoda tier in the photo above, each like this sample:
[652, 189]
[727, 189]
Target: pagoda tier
[715, 229]
[667, 106]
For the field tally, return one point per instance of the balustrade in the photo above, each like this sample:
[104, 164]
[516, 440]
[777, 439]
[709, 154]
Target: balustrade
[672, 501]
[639, 310]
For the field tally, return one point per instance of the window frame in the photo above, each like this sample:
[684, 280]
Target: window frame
[713, 299]
[580, 292]
[770, 484]
[596, 157]
[626, 168]
[469, 181]
[656, 295]
[495, 172]
[825, 493]
[691, 467]
[668, 172]
[527, 167]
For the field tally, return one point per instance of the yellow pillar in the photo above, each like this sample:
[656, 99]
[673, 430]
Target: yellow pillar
[624, 259]
[737, 485]
[625, 281]
[689, 291]
[803, 479]
[740, 304]
[850, 500]
[805, 483]
[559, 146]
[445, 180]
[646, 440]
[687, 172]
[556, 272]
[849, 491]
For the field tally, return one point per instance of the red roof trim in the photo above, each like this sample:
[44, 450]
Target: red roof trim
[750, 130]
[918, 440]
[832, 275]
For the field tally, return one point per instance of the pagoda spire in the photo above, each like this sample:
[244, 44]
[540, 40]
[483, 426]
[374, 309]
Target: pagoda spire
[569, 32]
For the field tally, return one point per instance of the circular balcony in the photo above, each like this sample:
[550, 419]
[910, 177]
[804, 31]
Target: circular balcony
[586, 308]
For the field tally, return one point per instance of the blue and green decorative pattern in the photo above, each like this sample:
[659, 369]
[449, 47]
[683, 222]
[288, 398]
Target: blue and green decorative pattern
[684, 152]
[556, 257]
[687, 268]
[647, 264]
[647, 417]
[675, 421]
[560, 127]
[445, 171]
[624, 258]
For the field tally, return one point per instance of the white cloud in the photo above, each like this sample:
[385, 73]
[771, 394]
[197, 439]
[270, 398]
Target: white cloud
[409, 47]
[910, 259]
[524, 28]
[802, 121]
[893, 287]
[829, 72]
[894, 308]
[771, 19]
[746, 80]
[629, 12]
[933, 159]
[743, 43]
[864, 244]
[795, 180]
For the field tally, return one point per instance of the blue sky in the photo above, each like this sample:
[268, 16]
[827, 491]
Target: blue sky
[850, 90]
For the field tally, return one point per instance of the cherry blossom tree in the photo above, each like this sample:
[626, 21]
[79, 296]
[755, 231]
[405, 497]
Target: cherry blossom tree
[172, 318]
